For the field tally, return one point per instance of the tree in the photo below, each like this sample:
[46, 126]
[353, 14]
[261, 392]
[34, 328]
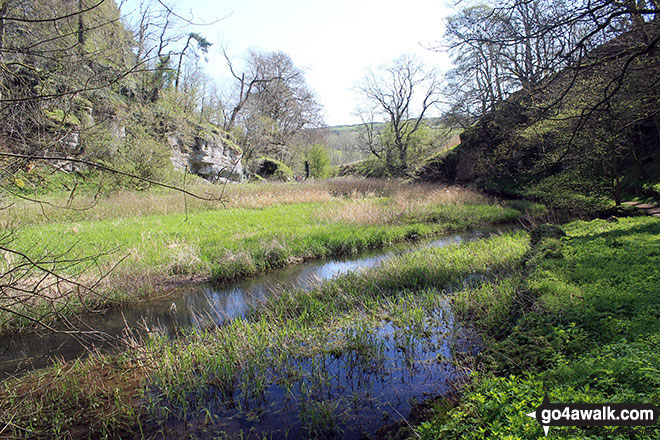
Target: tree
[161, 36]
[202, 43]
[272, 105]
[503, 46]
[402, 94]
[319, 161]
[579, 82]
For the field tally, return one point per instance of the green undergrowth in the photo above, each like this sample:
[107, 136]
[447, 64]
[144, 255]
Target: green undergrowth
[584, 321]
[224, 244]
[572, 191]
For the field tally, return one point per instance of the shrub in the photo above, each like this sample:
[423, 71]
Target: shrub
[273, 168]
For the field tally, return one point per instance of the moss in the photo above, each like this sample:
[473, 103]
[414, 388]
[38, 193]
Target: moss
[59, 117]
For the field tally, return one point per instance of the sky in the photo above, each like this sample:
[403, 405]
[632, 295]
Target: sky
[335, 42]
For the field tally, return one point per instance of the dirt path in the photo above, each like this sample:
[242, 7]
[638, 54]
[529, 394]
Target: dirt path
[646, 207]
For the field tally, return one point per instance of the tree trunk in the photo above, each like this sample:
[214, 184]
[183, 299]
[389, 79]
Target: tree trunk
[616, 184]
[3, 12]
[403, 159]
[178, 67]
[81, 27]
[641, 174]
[527, 41]
[389, 166]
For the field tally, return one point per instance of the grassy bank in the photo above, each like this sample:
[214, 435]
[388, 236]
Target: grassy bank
[142, 251]
[584, 321]
[299, 342]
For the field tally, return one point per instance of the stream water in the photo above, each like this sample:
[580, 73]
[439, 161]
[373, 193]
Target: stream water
[367, 396]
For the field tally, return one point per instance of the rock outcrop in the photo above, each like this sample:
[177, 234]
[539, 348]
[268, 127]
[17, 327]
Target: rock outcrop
[209, 155]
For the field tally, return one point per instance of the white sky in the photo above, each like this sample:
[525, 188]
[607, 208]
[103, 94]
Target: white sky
[333, 41]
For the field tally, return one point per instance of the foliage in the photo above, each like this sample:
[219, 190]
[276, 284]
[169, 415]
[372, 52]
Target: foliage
[319, 161]
[564, 135]
[573, 191]
[437, 167]
[369, 168]
[591, 334]
[58, 118]
[545, 231]
[273, 169]
[145, 157]
[531, 209]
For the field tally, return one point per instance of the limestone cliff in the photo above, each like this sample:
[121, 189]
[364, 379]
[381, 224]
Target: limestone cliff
[207, 154]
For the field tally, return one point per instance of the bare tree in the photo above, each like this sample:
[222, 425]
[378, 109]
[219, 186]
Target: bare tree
[370, 139]
[402, 94]
[272, 105]
[503, 46]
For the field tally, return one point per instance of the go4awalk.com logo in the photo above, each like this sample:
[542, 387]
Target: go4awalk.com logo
[594, 414]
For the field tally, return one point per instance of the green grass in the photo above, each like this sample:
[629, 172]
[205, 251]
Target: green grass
[215, 236]
[340, 316]
[281, 343]
[228, 243]
[584, 321]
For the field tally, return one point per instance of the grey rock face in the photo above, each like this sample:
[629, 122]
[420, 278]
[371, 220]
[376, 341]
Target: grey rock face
[71, 142]
[208, 157]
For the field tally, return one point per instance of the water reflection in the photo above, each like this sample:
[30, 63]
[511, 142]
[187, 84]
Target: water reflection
[198, 305]
[346, 394]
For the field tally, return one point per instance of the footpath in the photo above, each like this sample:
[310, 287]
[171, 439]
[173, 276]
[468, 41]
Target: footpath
[646, 207]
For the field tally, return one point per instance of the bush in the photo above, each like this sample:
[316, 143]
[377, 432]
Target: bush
[371, 168]
[145, 157]
[272, 168]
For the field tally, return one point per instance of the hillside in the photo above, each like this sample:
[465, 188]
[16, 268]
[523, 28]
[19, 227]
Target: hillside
[93, 87]
[580, 153]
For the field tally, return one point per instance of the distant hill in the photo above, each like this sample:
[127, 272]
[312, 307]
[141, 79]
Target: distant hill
[343, 140]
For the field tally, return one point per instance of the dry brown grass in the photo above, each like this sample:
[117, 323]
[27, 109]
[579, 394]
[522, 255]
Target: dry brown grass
[126, 204]
[403, 200]
[263, 195]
